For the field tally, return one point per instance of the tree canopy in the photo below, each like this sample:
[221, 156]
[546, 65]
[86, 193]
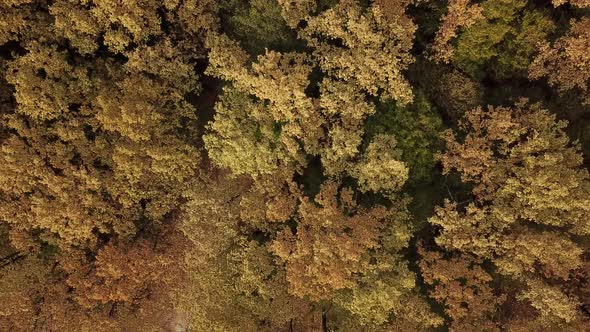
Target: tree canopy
[295, 165]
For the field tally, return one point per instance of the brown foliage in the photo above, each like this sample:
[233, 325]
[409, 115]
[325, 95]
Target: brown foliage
[565, 63]
[331, 243]
[465, 289]
[524, 171]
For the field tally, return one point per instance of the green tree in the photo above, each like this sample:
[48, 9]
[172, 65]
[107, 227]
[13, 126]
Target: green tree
[417, 133]
[258, 24]
[503, 41]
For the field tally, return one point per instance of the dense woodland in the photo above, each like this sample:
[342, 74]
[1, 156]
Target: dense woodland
[295, 165]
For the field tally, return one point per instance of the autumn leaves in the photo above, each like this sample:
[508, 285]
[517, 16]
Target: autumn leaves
[123, 206]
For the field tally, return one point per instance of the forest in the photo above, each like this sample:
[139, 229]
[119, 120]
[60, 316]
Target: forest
[295, 165]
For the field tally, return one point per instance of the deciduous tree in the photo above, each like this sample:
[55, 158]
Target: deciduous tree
[565, 63]
[528, 190]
